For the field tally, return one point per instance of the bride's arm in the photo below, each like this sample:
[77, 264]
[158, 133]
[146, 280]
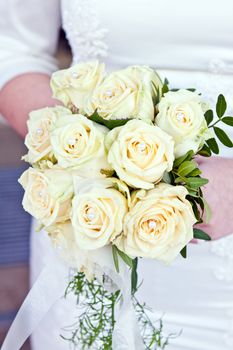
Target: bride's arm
[28, 92]
[28, 40]
[219, 194]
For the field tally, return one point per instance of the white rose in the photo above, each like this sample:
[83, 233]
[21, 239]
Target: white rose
[159, 223]
[140, 153]
[75, 86]
[181, 114]
[128, 93]
[98, 210]
[77, 141]
[47, 194]
[38, 138]
[63, 239]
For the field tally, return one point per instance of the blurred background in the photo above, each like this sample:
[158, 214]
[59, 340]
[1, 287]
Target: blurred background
[14, 222]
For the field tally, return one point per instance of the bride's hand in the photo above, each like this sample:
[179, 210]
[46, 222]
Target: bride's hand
[219, 194]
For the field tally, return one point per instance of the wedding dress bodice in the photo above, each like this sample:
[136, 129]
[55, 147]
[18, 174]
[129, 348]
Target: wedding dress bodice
[167, 35]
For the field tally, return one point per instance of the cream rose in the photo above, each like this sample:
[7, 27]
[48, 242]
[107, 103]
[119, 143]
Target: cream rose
[98, 210]
[47, 194]
[140, 153]
[181, 115]
[159, 223]
[128, 93]
[38, 138]
[75, 86]
[77, 141]
[63, 239]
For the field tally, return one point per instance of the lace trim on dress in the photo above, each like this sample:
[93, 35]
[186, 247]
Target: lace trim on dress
[83, 30]
[219, 81]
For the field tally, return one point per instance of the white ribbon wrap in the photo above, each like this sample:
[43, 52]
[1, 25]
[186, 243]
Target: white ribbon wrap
[50, 287]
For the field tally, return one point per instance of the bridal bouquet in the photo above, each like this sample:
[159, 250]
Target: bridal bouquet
[113, 179]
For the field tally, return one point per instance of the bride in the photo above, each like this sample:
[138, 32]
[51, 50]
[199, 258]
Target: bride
[190, 43]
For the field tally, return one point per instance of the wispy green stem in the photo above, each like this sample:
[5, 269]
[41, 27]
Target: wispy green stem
[95, 324]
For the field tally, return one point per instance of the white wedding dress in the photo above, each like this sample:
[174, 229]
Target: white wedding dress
[191, 43]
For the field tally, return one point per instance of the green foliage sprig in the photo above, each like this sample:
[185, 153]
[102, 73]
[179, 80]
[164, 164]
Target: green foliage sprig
[95, 325]
[152, 336]
[211, 145]
[109, 123]
[186, 172]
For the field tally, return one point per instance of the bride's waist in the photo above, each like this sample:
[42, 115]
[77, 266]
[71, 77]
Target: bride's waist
[211, 82]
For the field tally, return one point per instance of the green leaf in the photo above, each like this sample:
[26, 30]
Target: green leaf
[115, 257]
[167, 177]
[126, 258]
[209, 116]
[183, 252]
[196, 182]
[201, 203]
[157, 94]
[166, 81]
[200, 193]
[180, 180]
[111, 123]
[213, 145]
[186, 167]
[192, 192]
[221, 106]
[207, 209]
[195, 172]
[107, 172]
[228, 120]
[165, 87]
[200, 234]
[191, 89]
[196, 211]
[205, 151]
[134, 276]
[186, 156]
[222, 136]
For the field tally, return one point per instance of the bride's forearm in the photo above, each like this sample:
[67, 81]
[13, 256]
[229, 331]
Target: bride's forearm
[23, 94]
[219, 194]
